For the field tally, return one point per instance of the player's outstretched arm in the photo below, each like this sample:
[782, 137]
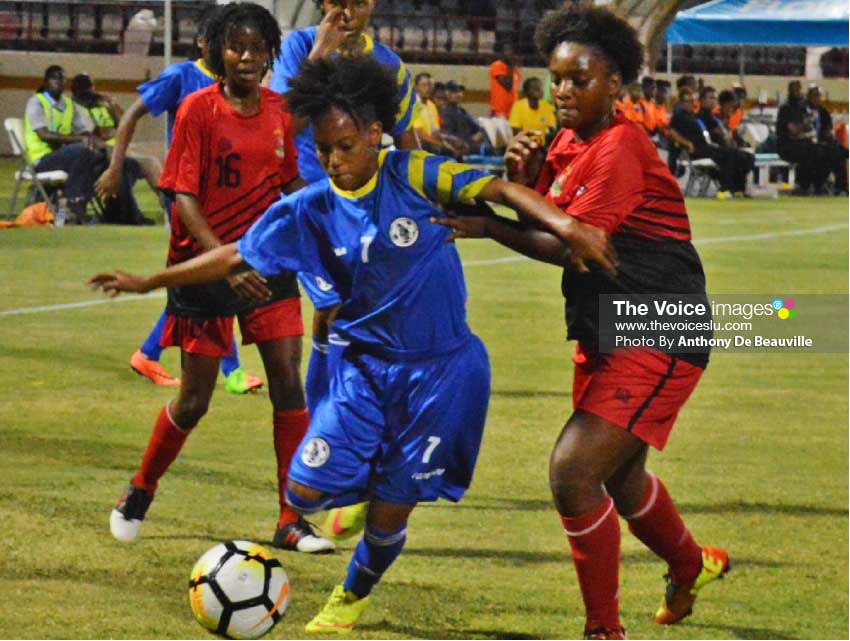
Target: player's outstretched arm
[524, 239]
[107, 185]
[586, 242]
[210, 267]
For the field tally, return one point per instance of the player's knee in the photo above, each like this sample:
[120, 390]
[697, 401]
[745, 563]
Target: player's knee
[305, 500]
[570, 475]
[188, 410]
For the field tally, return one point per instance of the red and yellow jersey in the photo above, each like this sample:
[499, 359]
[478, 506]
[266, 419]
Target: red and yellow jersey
[234, 165]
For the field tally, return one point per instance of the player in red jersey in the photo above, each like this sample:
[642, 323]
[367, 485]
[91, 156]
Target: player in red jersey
[231, 156]
[605, 171]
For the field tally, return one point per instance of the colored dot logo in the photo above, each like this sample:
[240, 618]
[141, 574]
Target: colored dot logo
[784, 308]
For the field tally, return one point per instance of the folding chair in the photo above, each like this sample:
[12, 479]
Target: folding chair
[41, 180]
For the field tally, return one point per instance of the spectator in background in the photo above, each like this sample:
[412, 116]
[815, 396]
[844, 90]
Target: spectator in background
[737, 116]
[531, 113]
[730, 163]
[105, 114]
[426, 121]
[663, 136]
[505, 79]
[439, 97]
[729, 114]
[458, 123]
[634, 107]
[60, 136]
[686, 81]
[831, 155]
[798, 142]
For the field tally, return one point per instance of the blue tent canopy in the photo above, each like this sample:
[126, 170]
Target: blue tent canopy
[763, 22]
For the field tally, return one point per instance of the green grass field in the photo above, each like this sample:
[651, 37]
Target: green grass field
[758, 461]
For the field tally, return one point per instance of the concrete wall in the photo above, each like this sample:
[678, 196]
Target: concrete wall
[21, 73]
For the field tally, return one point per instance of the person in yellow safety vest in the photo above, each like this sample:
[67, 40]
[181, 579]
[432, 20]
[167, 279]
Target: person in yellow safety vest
[106, 113]
[59, 136]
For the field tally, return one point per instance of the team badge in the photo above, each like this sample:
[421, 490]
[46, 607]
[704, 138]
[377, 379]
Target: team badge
[404, 232]
[315, 453]
[557, 187]
[323, 285]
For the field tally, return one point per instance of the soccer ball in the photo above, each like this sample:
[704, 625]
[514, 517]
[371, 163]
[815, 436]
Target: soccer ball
[238, 590]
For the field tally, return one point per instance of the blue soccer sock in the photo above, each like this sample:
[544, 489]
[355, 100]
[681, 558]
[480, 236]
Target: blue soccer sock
[231, 361]
[317, 381]
[151, 348]
[373, 555]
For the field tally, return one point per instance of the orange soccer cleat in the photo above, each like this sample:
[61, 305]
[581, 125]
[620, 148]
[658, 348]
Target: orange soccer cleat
[152, 370]
[679, 598]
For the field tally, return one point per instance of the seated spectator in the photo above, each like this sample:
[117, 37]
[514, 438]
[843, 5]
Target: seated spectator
[729, 114]
[59, 136]
[737, 117]
[458, 123]
[426, 121]
[531, 113]
[105, 114]
[634, 107]
[663, 136]
[648, 88]
[733, 165]
[804, 137]
[830, 152]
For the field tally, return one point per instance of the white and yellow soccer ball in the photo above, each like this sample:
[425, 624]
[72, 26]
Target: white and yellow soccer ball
[238, 590]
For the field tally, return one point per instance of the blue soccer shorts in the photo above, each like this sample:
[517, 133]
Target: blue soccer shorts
[403, 432]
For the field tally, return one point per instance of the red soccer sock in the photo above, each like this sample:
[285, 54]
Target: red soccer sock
[660, 528]
[595, 543]
[164, 445]
[290, 426]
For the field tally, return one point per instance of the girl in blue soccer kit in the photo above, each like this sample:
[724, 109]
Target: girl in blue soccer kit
[407, 403]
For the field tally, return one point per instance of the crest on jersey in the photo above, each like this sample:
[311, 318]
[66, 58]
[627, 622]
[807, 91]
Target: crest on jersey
[404, 232]
[323, 285]
[316, 452]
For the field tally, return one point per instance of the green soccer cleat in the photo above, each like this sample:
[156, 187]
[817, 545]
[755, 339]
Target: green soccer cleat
[339, 614]
[345, 522]
[240, 382]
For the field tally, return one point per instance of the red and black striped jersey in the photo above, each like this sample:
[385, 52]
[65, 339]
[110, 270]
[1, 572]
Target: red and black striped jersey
[234, 165]
[617, 181]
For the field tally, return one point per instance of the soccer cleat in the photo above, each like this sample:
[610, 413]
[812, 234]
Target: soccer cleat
[344, 522]
[339, 614]
[606, 633]
[240, 382]
[679, 598]
[298, 536]
[125, 521]
[143, 366]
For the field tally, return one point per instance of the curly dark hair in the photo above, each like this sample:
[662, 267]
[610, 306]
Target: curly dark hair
[361, 87]
[611, 35]
[232, 16]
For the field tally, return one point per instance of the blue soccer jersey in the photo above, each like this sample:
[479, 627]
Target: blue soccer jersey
[400, 284]
[168, 89]
[295, 49]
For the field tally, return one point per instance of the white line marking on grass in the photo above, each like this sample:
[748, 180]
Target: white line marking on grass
[471, 263]
[82, 303]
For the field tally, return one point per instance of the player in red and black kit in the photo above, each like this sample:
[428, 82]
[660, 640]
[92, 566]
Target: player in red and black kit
[605, 171]
[231, 156]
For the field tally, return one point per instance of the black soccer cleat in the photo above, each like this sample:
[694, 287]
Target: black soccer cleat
[298, 536]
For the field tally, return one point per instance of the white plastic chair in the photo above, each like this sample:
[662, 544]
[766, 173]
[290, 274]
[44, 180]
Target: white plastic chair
[41, 180]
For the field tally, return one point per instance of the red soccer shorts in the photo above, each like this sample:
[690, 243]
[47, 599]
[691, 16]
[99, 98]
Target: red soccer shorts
[213, 336]
[640, 391]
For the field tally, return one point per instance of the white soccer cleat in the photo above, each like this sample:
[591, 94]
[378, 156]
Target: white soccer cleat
[125, 521]
[298, 536]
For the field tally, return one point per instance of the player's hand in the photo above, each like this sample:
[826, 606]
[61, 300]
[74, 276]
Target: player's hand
[113, 283]
[107, 185]
[463, 227]
[250, 286]
[524, 159]
[591, 244]
[330, 34]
